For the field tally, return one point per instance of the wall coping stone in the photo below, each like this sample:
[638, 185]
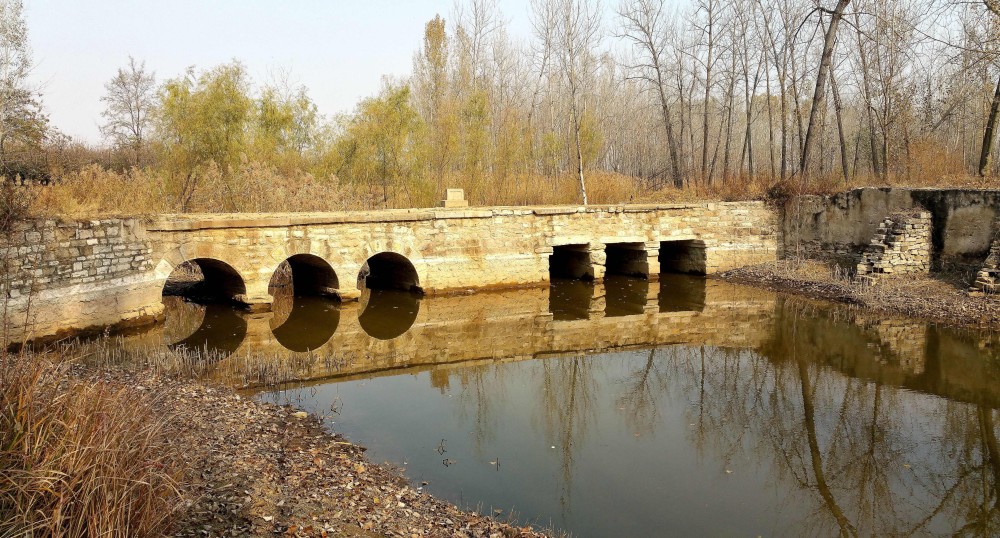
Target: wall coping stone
[199, 221]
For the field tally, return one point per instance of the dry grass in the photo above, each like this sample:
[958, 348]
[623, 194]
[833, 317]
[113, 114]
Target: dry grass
[81, 457]
[255, 187]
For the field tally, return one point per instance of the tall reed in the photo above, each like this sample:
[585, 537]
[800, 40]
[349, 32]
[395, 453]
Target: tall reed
[82, 457]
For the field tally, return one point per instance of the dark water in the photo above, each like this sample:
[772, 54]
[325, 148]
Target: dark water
[633, 408]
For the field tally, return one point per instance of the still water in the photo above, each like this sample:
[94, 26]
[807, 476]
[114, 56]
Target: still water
[633, 408]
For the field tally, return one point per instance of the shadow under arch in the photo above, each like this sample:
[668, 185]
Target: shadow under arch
[387, 314]
[304, 323]
[305, 274]
[206, 280]
[389, 271]
[220, 331]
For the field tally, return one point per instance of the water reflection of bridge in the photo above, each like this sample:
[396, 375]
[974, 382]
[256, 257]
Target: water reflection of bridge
[311, 339]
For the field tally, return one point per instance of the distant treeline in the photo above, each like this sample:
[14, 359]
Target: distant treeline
[734, 98]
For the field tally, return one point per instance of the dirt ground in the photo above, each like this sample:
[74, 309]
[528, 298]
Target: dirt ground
[938, 297]
[266, 470]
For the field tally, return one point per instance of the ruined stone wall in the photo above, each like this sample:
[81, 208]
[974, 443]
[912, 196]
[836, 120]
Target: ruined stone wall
[901, 245]
[988, 276]
[78, 274]
[841, 226]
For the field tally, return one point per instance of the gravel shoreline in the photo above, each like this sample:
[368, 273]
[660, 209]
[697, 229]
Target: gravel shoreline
[265, 470]
[940, 298]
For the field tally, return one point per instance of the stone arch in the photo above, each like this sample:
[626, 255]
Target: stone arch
[206, 279]
[389, 271]
[305, 274]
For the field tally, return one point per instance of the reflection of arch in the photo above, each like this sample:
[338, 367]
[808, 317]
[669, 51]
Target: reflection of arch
[570, 299]
[306, 274]
[388, 313]
[624, 295]
[206, 279]
[310, 323]
[219, 334]
[389, 271]
[681, 293]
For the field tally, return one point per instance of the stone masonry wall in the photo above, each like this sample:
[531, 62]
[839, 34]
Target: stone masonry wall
[901, 245]
[96, 273]
[77, 274]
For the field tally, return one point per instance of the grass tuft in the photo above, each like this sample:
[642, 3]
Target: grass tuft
[81, 456]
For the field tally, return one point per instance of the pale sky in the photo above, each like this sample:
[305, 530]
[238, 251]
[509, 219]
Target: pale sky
[338, 49]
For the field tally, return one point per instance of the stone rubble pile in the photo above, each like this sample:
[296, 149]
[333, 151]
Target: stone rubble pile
[902, 245]
[989, 274]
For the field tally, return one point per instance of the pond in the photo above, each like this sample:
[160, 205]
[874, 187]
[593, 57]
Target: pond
[682, 406]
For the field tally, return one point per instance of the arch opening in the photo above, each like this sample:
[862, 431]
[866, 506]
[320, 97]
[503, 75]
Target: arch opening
[206, 280]
[626, 259]
[571, 261]
[304, 275]
[389, 271]
[687, 257]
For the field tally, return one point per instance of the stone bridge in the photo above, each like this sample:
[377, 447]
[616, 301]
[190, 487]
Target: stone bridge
[72, 275]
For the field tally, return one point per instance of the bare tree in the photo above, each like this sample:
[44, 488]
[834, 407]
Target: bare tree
[647, 26]
[987, 147]
[819, 96]
[130, 98]
[576, 35]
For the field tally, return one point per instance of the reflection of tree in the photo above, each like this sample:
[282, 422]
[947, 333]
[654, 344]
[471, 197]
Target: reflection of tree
[871, 459]
[643, 389]
[569, 389]
[482, 387]
[815, 457]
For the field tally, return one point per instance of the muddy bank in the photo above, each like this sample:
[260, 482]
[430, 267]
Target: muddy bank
[263, 470]
[941, 298]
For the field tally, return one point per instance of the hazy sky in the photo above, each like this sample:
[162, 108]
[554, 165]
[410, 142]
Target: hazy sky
[338, 49]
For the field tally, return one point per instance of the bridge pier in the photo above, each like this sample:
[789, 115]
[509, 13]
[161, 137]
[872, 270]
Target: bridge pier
[257, 298]
[653, 259]
[598, 260]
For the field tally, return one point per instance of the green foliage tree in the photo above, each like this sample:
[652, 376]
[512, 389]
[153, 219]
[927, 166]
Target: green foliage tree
[204, 121]
[286, 127]
[23, 124]
[379, 145]
[433, 95]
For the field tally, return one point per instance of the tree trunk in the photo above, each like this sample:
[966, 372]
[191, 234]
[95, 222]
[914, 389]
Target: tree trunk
[991, 122]
[819, 96]
[579, 148]
[675, 165]
[837, 109]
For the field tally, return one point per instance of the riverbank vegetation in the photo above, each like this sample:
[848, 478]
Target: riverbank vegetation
[629, 102]
[82, 457]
